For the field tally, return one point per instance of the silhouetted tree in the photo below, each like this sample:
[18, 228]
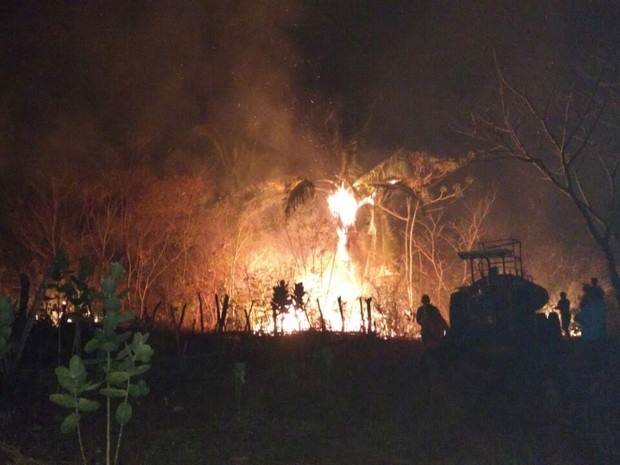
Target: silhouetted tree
[280, 302]
[566, 127]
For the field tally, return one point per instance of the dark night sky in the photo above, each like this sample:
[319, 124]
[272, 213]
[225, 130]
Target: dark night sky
[81, 80]
[426, 64]
[415, 68]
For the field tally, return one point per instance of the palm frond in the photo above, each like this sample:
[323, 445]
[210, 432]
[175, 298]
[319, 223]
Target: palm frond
[398, 166]
[302, 192]
[390, 187]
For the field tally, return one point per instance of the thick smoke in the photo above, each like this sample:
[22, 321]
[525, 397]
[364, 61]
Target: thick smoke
[242, 86]
[151, 82]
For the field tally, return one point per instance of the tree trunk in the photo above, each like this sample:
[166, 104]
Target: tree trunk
[368, 309]
[31, 315]
[202, 319]
[22, 309]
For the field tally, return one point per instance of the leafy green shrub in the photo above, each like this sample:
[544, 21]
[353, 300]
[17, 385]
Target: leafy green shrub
[120, 357]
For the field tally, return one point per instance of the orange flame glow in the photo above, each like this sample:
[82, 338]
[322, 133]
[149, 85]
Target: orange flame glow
[343, 205]
[340, 281]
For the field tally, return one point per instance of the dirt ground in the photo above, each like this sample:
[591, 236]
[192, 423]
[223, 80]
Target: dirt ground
[342, 399]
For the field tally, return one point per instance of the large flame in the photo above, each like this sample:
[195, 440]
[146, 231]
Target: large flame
[343, 206]
[323, 291]
[338, 292]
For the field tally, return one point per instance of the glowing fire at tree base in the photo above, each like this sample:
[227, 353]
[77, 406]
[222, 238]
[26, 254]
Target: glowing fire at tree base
[334, 296]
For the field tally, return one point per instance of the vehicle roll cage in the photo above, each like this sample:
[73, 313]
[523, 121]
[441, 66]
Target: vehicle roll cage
[501, 256]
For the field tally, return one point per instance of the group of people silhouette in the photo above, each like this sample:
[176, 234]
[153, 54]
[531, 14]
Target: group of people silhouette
[590, 316]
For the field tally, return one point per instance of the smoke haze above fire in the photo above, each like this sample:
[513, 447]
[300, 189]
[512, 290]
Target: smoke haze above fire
[85, 81]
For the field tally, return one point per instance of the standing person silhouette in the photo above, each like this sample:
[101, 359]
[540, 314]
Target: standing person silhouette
[592, 321]
[596, 290]
[434, 326]
[433, 329]
[563, 306]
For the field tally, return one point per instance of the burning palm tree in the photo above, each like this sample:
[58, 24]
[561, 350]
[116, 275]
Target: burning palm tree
[405, 186]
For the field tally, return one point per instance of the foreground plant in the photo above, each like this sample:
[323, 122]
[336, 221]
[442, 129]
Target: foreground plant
[119, 358]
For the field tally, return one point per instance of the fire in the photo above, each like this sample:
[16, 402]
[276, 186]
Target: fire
[334, 294]
[341, 282]
[343, 206]
[323, 291]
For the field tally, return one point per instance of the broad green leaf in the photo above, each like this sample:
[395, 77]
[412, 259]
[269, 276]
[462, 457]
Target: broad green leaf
[73, 386]
[139, 370]
[76, 367]
[143, 351]
[139, 389]
[112, 392]
[117, 377]
[122, 354]
[62, 371]
[70, 423]
[109, 346]
[87, 405]
[65, 379]
[123, 413]
[91, 386]
[64, 400]
[92, 345]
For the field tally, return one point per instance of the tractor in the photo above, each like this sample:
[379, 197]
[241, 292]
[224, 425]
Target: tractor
[499, 307]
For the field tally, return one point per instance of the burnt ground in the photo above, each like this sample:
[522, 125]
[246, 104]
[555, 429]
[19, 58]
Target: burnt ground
[342, 399]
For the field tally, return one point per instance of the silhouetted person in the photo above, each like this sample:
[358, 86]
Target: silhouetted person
[554, 328]
[434, 326]
[563, 306]
[434, 329]
[597, 291]
[592, 314]
[592, 320]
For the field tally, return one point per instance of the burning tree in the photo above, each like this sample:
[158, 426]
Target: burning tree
[408, 187]
[414, 189]
[345, 277]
